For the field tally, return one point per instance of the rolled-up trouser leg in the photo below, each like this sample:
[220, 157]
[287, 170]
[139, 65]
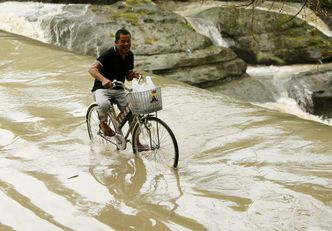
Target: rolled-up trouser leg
[120, 97]
[102, 98]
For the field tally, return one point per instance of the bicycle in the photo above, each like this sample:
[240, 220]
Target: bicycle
[151, 137]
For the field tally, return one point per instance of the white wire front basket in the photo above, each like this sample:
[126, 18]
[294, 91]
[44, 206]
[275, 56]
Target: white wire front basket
[145, 102]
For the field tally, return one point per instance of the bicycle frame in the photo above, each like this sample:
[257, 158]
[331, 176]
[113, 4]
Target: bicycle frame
[136, 119]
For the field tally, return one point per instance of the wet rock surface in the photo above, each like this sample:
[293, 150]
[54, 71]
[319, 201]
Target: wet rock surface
[262, 37]
[322, 102]
[313, 90]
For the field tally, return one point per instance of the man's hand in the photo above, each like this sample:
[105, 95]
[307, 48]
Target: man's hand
[133, 74]
[107, 83]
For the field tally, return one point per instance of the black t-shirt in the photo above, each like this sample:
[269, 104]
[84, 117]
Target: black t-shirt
[114, 67]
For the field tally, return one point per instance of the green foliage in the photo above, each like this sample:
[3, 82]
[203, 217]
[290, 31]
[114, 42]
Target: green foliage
[150, 40]
[103, 9]
[145, 11]
[129, 17]
[138, 1]
[190, 27]
[112, 35]
[262, 58]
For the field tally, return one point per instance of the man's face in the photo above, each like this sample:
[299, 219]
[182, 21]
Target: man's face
[123, 44]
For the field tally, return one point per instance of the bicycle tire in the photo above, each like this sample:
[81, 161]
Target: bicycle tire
[162, 146]
[92, 121]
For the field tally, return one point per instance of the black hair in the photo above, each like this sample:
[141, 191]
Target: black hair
[120, 32]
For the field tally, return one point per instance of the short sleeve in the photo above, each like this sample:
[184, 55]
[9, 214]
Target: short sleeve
[105, 56]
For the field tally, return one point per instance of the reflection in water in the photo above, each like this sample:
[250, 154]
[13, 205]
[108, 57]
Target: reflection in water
[144, 198]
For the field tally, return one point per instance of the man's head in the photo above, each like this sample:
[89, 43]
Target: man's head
[123, 41]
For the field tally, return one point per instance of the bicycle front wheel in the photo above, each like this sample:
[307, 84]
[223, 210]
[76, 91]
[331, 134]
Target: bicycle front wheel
[154, 140]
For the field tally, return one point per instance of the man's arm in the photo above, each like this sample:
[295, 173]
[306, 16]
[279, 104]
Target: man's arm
[95, 73]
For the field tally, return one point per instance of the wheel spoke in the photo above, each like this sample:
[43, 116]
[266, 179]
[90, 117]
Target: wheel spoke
[152, 139]
[161, 141]
[94, 131]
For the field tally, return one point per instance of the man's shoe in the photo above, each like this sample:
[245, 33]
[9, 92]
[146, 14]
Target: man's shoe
[107, 131]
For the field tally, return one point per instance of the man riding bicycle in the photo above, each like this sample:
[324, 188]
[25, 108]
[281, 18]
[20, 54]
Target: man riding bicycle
[116, 63]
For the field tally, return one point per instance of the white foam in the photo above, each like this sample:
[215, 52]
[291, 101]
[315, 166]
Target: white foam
[289, 106]
[26, 18]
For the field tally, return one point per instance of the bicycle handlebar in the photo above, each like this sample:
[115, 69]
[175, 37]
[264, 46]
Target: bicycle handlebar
[116, 83]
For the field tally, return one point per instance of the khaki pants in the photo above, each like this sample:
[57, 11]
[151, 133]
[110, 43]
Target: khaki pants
[103, 97]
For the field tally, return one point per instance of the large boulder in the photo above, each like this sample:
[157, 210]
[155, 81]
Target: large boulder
[90, 29]
[260, 36]
[199, 67]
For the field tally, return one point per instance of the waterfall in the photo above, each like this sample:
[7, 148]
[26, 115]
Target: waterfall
[28, 19]
[284, 84]
[58, 24]
[291, 91]
[209, 29]
[286, 89]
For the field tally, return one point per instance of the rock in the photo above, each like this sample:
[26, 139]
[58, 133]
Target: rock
[322, 102]
[71, 1]
[265, 37]
[199, 67]
[313, 90]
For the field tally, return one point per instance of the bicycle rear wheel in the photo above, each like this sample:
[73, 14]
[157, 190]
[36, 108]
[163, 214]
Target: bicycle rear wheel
[154, 140]
[92, 122]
